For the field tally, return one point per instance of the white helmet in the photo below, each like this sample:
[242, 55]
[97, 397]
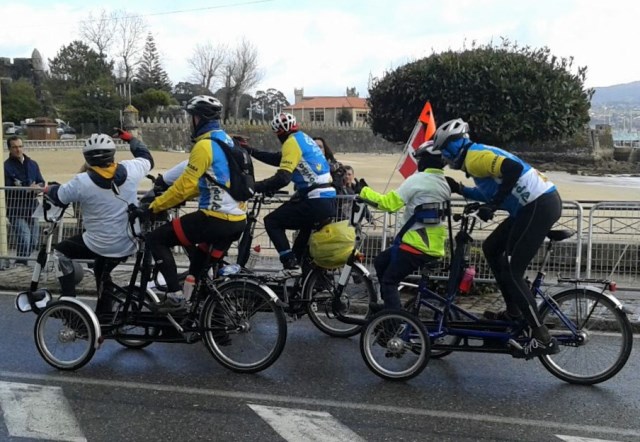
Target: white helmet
[99, 150]
[283, 123]
[205, 106]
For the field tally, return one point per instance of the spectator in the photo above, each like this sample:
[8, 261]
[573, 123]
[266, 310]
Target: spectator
[22, 171]
[336, 168]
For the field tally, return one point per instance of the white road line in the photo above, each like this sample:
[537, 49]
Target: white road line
[580, 439]
[305, 425]
[38, 412]
[326, 403]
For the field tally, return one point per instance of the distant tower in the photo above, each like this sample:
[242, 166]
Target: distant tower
[38, 79]
[298, 94]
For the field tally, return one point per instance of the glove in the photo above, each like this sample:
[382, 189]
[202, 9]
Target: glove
[144, 211]
[159, 185]
[242, 140]
[486, 211]
[362, 183]
[455, 186]
[123, 135]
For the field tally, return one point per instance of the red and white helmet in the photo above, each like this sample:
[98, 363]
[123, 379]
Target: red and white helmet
[284, 123]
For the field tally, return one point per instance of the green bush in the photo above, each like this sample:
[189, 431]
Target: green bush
[505, 92]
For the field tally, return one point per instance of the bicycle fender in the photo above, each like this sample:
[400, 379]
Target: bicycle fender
[362, 268]
[90, 312]
[153, 295]
[264, 287]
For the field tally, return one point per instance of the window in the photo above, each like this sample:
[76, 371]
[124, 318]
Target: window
[361, 115]
[317, 115]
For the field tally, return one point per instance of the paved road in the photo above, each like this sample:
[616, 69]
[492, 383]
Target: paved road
[319, 390]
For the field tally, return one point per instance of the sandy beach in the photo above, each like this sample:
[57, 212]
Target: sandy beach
[377, 169]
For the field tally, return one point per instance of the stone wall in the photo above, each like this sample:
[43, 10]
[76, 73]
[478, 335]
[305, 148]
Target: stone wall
[174, 134]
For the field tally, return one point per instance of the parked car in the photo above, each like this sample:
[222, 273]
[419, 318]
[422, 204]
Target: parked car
[64, 128]
[8, 127]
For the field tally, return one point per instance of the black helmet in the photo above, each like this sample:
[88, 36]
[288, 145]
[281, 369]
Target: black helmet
[99, 150]
[204, 106]
[428, 157]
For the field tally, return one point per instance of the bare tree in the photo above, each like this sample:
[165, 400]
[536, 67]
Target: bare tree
[129, 40]
[99, 31]
[206, 62]
[240, 73]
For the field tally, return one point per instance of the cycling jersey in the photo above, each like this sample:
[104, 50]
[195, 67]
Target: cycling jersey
[302, 157]
[206, 157]
[429, 186]
[483, 164]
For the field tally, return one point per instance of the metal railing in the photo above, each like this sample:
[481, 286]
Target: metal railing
[607, 242]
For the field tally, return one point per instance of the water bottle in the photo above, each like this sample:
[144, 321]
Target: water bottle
[187, 287]
[230, 269]
[467, 280]
[254, 255]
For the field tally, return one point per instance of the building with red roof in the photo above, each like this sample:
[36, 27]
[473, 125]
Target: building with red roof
[329, 109]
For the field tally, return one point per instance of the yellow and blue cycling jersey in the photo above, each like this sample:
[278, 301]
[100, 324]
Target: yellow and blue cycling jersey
[206, 157]
[302, 157]
[483, 164]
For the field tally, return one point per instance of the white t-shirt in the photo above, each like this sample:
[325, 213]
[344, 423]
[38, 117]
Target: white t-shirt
[105, 213]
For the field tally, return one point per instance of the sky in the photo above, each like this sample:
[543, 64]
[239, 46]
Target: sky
[325, 46]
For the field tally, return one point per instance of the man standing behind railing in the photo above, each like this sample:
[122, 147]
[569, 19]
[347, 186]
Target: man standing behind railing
[22, 171]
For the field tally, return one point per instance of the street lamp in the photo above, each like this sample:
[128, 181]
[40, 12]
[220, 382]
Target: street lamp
[98, 95]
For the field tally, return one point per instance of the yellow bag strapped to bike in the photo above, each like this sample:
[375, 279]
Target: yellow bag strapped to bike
[331, 246]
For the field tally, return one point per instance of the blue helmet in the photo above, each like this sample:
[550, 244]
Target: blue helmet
[450, 140]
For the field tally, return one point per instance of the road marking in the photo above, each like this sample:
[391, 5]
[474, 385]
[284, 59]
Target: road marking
[580, 439]
[38, 412]
[325, 403]
[305, 425]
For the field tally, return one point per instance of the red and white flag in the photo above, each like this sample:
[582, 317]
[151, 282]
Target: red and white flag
[423, 131]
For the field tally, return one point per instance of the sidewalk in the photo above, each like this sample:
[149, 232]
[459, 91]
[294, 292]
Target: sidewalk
[18, 278]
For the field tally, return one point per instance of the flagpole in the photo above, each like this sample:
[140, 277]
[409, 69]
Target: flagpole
[405, 152]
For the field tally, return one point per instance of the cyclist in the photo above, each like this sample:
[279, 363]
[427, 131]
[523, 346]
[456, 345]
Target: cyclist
[219, 219]
[103, 194]
[313, 202]
[417, 243]
[504, 181]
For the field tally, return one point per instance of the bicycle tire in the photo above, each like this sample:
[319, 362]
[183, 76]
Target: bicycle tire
[245, 332]
[72, 336]
[601, 322]
[395, 345]
[355, 300]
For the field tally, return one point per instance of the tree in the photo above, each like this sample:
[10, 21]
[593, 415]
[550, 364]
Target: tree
[148, 101]
[99, 31]
[272, 100]
[240, 74]
[506, 93]
[206, 62]
[77, 65]
[128, 43]
[344, 116]
[183, 91]
[82, 85]
[150, 73]
[19, 101]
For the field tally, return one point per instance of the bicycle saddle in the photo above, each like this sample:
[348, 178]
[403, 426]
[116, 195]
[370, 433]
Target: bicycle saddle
[560, 235]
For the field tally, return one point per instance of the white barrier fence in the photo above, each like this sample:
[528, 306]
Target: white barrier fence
[606, 244]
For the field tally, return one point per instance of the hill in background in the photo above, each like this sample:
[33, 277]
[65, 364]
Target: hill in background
[628, 93]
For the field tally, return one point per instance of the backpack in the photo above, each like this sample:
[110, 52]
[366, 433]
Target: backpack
[240, 172]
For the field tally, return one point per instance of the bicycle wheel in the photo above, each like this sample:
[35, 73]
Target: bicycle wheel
[145, 331]
[244, 329]
[319, 289]
[65, 335]
[603, 343]
[426, 313]
[395, 345]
